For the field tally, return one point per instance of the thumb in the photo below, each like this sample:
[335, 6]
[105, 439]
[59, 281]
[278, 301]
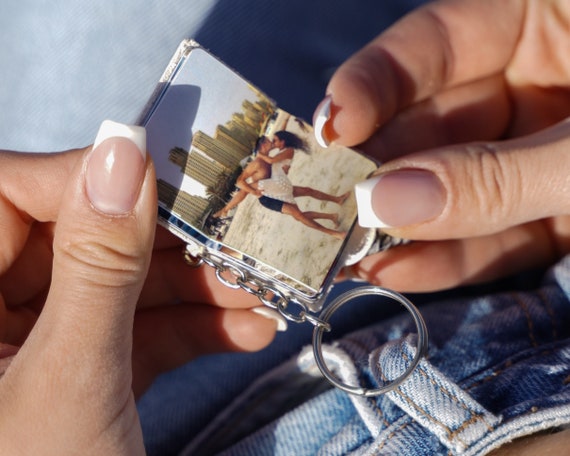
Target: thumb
[73, 373]
[470, 190]
[102, 246]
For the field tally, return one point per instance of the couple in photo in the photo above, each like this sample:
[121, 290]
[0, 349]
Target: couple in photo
[266, 177]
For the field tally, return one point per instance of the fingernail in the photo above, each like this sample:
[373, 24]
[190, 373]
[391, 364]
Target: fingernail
[272, 315]
[320, 119]
[399, 198]
[116, 167]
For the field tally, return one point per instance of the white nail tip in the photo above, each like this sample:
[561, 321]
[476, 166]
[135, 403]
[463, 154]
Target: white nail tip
[321, 118]
[367, 218]
[110, 129]
[272, 315]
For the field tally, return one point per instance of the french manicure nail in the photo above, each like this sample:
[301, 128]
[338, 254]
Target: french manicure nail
[399, 198]
[272, 315]
[320, 119]
[116, 167]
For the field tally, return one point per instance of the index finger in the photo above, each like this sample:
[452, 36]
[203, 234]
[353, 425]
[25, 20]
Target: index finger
[440, 45]
[31, 187]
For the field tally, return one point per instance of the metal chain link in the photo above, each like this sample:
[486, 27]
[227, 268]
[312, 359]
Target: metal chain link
[267, 294]
[275, 299]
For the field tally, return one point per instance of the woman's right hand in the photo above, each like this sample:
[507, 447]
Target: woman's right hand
[436, 97]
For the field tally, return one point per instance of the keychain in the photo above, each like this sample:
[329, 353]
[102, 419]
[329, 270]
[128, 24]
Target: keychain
[254, 194]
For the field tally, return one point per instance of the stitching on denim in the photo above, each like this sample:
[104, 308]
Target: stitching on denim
[475, 417]
[412, 403]
[546, 303]
[392, 434]
[380, 412]
[529, 322]
[451, 396]
[488, 378]
[508, 363]
[451, 435]
[422, 412]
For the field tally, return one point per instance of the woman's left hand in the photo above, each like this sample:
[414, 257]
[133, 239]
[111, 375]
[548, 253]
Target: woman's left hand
[77, 272]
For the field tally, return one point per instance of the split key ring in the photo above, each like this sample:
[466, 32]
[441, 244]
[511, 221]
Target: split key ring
[421, 346]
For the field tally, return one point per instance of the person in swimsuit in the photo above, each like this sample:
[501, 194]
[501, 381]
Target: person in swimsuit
[279, 194]
[278, 185]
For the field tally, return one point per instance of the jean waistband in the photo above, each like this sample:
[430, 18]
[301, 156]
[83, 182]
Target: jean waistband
[498, 368]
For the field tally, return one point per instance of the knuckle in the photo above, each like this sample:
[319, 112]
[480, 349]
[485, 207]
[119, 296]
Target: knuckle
[362, 74]
[445, 65]
[496, 180]
[100, 263]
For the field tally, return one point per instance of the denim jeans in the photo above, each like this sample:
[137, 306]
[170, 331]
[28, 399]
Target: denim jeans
[498, 368]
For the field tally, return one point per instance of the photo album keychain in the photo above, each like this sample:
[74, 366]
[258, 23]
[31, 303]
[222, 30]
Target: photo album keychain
[254, 195]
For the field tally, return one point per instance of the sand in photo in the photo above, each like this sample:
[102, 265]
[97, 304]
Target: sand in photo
[302, 253]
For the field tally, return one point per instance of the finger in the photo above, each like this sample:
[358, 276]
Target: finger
[168, 337]
[7, 353]
[170, 280]
[470, 190]
[478, 110]
[78, 354]
[436, 47]
[164, 239]
[102, 247]
[45, 177]
[15, 323]
[439, 265]
[36, 255]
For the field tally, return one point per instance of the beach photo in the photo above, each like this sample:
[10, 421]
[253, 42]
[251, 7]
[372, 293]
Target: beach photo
[245, 176]
[300, 205]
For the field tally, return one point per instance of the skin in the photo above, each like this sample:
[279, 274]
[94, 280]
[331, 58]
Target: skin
[489, 120]
[485, 87]
[298, 191]
[93, 307]
[260, 168]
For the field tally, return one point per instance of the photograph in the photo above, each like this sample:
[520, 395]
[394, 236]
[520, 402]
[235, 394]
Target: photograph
[293, 204]
[250, 178]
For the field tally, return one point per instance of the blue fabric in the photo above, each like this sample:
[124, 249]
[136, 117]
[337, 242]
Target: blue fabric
[65, 66]
[181, 403]
[497, 368]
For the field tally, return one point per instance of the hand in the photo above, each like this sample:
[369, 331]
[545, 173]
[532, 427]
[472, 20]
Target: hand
[69, 298]
[472, 72]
